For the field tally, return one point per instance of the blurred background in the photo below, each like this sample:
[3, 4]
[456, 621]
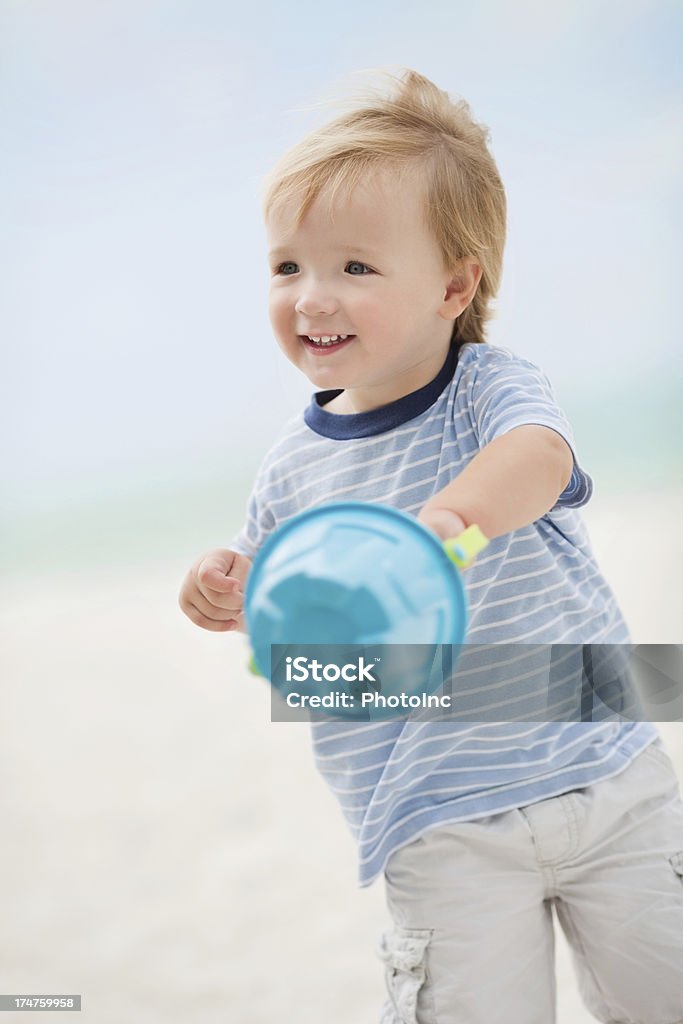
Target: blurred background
[167, 850]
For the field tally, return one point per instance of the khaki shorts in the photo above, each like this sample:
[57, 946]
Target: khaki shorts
[473, 939]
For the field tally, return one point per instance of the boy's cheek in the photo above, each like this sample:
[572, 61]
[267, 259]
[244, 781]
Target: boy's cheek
[279, 311]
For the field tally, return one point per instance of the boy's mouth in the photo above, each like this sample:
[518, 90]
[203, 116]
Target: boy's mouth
[326, 343]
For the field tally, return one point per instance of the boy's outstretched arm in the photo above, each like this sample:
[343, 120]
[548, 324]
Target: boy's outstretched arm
[212, 594]
[510, 483]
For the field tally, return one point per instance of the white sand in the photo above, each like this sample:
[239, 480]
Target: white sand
[170, 853]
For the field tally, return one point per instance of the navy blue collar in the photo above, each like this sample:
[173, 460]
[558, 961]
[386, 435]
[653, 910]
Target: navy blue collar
[377, 421]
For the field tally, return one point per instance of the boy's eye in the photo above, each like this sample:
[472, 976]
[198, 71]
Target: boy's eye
[287, 268]
[357, 269]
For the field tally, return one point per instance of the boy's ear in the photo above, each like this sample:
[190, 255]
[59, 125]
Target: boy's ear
[461, 289]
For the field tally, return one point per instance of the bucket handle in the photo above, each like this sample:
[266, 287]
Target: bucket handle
[463, 549]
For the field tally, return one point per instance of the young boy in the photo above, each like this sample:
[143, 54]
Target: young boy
[386, 232]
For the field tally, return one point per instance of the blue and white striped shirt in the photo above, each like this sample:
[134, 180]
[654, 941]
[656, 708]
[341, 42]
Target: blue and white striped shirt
[538, 585]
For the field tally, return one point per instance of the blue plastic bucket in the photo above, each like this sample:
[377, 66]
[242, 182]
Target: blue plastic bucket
[359, 575]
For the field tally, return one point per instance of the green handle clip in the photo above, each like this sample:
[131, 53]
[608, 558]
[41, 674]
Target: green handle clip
[464, 549]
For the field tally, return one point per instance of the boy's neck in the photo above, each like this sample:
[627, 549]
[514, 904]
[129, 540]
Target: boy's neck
[359, 400]
[340, 405]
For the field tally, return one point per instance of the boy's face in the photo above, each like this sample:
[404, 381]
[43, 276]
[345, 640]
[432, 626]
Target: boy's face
[368, 268]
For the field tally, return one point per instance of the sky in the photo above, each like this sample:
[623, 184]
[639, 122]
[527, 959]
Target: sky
[135, 338]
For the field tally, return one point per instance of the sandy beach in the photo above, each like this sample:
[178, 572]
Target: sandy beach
[170, 853]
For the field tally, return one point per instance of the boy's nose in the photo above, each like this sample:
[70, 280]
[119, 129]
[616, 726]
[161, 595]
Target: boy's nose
[315, 303]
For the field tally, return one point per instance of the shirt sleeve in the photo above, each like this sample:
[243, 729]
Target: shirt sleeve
[258, 524]
[509, 392]
[259, 521]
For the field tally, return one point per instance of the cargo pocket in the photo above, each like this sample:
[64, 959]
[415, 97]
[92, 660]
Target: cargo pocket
[404, 952]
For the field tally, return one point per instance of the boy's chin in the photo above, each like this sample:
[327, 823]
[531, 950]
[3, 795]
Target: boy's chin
[324, 383]
[323, 376]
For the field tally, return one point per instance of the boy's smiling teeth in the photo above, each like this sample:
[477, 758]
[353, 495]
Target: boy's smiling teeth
[327, 339]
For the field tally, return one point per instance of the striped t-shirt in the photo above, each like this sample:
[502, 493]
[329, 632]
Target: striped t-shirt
[538, 585]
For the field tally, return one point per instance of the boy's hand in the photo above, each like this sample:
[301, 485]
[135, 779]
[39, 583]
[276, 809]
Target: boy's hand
[212, 594]
[442, 521]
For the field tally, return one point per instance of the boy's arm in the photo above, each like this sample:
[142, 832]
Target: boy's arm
[512, 482]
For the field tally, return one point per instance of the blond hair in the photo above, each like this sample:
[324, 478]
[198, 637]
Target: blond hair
[416, 124]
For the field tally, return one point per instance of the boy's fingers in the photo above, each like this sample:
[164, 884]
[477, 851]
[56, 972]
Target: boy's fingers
[212, 594]
[225, 574]
[240, 568]
[230, 597]
[213, 577]
[214, 625]
[227, 594]
[216, 606]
